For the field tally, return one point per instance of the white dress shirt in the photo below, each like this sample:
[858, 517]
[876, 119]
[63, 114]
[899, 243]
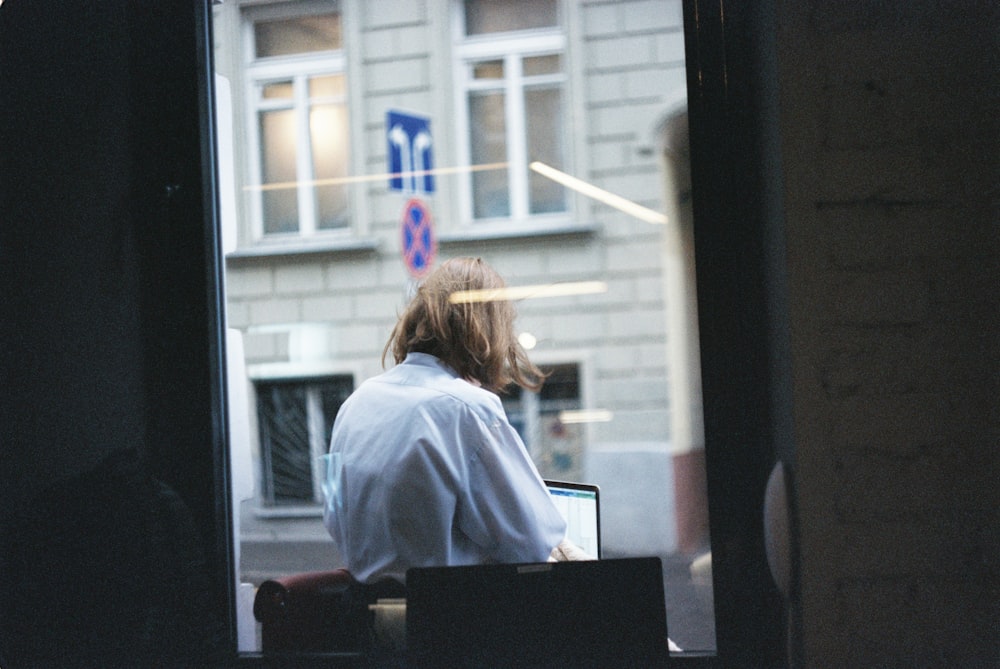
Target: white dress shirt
[427, 471]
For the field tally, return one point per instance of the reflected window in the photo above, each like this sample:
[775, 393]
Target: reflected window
[294, 418]
[513, 103]
[299, 132]
[549, 422]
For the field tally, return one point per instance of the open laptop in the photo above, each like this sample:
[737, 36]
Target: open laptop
[594, 613]
[580, 506]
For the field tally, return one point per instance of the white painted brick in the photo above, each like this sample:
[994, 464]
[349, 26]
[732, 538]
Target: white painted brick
[237, 314]
[393, 12]
[634, 256]
[666, 83]
[579, 328]
[249, 281]
[273, 311]
[606, 87]
[398, 75]
[264, 347]
[350, 274]
[615, 54]
[576, 263]
[299, 278]
[601, 20]
[399, 42]
[363, 341]
[378, 306]
[647, 15]
[327, 308]
[637, 324]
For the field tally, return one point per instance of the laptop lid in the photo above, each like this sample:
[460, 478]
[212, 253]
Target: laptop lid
[594, 613]
[580, 506]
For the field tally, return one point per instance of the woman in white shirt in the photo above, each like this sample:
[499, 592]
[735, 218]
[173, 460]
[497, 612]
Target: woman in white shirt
[429, 471]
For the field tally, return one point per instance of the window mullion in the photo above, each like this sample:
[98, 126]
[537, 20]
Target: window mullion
[317, 439]
[517, 153]
[304, 162]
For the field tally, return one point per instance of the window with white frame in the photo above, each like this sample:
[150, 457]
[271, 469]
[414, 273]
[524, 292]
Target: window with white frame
[548, 422]
[298, 120]
[512, 106]
[295, 418]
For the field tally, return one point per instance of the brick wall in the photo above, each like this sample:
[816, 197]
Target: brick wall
[889, 149]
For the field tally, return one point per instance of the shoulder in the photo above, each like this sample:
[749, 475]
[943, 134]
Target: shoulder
[439, 384]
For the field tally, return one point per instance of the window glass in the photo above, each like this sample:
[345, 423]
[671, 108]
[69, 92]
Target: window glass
[279, 137]
[545, 144]
[489, 146]
[486, 16]
[328, 127]
[555, 135]
[301, 34]
[515, 111]
[303, 133]
[546, 422]
[294, 418]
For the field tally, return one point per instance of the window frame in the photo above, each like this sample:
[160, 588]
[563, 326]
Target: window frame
[297, 68]
[512, 48]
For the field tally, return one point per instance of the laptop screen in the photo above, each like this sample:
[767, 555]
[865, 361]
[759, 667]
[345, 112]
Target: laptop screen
[579, 504]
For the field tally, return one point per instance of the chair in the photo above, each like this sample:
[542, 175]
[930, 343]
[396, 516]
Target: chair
[311, 612]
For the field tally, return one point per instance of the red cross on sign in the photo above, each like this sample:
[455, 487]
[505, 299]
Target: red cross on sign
[419, 242]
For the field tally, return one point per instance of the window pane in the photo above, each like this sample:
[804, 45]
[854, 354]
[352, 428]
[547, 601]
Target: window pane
[284, 435]
[488, 139]
[492, 69]
[544, 125]
[328, 126]
[327, 86]
[489, 16]
[294, 417]
[284, 37]
[281, 90]
[278, 173]
[533, 65]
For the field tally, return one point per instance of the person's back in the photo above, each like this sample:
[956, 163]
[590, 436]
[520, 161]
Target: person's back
[429, 470]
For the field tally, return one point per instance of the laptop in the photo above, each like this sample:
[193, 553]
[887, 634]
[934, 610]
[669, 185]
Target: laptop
[580, 506]
[594, 613]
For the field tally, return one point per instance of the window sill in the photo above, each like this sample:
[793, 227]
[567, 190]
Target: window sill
[280, 512]
[512, 229]
[301, 247]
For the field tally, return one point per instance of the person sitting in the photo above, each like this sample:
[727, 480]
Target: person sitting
[426, 468]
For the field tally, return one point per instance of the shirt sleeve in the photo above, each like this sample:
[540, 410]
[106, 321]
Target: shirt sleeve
[507, 509]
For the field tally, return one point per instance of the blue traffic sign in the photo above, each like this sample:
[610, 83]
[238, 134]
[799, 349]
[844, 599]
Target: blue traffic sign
[410, 156]
[418, 240]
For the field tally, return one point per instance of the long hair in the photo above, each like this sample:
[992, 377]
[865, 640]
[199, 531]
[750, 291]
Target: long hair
[475, 337]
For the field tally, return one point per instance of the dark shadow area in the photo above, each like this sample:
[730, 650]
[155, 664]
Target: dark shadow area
[106, 570]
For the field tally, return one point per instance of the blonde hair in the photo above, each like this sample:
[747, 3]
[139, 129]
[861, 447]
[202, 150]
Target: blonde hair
[475, 338]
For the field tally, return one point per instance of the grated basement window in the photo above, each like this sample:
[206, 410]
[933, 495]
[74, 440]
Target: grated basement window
[295, 418]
